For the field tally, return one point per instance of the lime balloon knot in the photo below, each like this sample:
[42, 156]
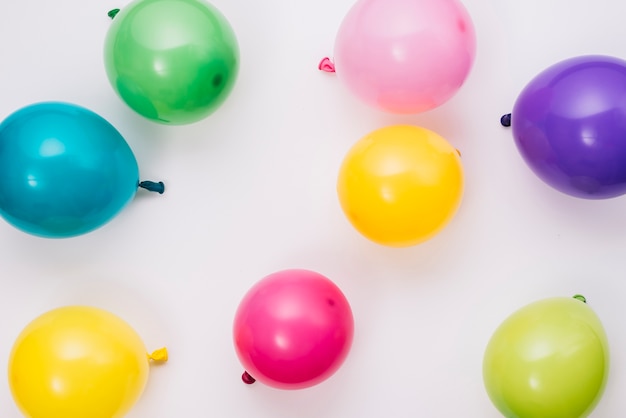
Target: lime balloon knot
[326, 65]
[247, 379]
[580, 298]
[505, 120]
[112, 13]
[152, 186]
[159, 356]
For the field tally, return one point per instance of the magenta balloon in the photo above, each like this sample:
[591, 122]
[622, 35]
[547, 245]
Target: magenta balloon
[293, 329]
[405, 56]
[569, 125]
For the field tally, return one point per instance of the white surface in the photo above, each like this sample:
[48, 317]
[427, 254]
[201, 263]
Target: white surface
[251, 190]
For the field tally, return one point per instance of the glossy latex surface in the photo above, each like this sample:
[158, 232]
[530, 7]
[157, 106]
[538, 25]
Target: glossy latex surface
[172, 61]
[569, 125]
[400, 185]
[405, 56]
[77, 362]
[64, 170]
[293, 329]
[548, 359]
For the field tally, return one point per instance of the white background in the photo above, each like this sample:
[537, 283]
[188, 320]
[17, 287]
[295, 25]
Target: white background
[251, 190]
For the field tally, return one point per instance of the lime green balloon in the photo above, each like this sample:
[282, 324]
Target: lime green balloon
[550, 359]
[172, 61]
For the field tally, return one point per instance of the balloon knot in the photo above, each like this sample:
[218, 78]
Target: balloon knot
[505, 120]
[153, 186]
[247, 379]
[580, 298]
[326, 65]
[113, 13]
[160, 355]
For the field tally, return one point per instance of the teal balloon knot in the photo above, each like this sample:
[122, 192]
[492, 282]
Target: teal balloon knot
[152, 186]
[113, 13]
[580, 298]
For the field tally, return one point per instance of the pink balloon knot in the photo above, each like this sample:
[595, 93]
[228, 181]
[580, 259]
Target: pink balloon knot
[247, 379]
[326, 65]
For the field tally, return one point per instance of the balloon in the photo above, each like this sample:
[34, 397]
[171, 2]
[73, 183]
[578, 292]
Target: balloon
[400, 185]
[293, 330]
[172, 61]
[548, 359]
[569, 125]
[77, 362]
[404, 56]
[64, 171]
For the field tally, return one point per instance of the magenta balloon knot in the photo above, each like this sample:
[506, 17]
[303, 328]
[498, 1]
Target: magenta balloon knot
[247, 379]
[326, 65]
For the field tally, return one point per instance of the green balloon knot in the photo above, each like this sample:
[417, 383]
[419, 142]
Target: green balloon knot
[113, 13]
[580, 298]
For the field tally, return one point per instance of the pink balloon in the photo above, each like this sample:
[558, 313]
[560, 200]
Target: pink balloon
[292, 330]
[404, 56]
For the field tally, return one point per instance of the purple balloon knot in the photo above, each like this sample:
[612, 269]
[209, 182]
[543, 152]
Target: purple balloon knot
[505, 120]
[247, 379]
[326, 65]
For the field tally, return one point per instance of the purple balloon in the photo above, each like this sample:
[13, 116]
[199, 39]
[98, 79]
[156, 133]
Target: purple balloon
[569, 125]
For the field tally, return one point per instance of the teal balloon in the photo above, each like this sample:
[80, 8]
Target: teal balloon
[172, 61]
[64, 170]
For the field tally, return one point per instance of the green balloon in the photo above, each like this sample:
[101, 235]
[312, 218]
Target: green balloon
[550, 359]
[172, 61]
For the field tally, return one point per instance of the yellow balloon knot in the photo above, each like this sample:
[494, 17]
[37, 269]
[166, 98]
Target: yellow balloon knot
[159, 355]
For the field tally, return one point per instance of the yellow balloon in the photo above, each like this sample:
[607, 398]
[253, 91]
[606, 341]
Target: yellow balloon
[400, 185]
[78, 362]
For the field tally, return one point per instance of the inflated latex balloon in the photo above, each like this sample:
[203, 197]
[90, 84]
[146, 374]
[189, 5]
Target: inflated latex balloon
[404, 56]
[400, 185]
[78, 362]
[64, 170]
[548, 359]
[569, 125]
[172, 61]
[292, 330]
